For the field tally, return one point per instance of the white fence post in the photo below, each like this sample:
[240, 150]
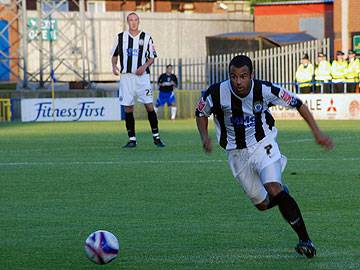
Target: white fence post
[276, 64]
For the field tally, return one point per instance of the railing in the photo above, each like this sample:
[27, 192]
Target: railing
[276, 65]
[323, 87]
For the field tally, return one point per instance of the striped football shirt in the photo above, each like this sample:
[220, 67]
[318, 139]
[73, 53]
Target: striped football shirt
[133, 51]
[242, 122]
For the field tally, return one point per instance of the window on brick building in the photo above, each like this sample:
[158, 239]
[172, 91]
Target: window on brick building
[62, 6]
[175, 6]
[95, 6]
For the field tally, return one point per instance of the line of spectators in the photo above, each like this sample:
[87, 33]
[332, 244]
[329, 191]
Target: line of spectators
[342, 75]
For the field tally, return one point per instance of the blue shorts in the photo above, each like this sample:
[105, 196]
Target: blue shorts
[165, 97]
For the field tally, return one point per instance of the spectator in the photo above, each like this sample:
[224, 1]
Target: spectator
[338, 72]
[323, 74]
[352, 74]
[304, 75]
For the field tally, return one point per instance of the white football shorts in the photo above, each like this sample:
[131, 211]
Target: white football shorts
[265, 159]
[132, 86]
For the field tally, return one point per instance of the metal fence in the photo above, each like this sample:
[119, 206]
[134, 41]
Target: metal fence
[277, 65]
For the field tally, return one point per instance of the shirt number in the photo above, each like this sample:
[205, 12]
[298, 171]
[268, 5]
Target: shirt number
[268, 148]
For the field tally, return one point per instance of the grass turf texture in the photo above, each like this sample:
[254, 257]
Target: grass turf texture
[171, 208]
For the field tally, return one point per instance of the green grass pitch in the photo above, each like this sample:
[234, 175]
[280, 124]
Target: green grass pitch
[171, 208]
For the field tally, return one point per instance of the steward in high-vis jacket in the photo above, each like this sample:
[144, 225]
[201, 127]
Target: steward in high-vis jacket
[323, 74]
[338, 72]
[352, 74]
[304, 75]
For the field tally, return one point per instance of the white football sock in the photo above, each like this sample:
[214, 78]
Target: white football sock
[173, 112]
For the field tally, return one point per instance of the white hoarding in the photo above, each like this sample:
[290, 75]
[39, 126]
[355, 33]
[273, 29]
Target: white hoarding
[324, 106]
[70, 109]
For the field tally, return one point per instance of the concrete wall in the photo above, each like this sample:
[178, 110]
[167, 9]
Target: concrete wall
[175, 35]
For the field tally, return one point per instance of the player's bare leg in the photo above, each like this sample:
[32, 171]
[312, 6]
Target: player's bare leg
[154, 124]
[130, 126]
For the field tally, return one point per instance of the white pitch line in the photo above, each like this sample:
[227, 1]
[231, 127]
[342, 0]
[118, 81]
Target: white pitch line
[37, 150]
[47, 163]
[325, 159]
[115, 162]
[313, 140]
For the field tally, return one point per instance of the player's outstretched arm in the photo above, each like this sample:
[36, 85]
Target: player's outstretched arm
[320, 138]
[202, 125]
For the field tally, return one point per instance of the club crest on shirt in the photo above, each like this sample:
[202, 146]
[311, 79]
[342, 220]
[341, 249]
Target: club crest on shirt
[258, 107]
[293, 102]
[141, 42]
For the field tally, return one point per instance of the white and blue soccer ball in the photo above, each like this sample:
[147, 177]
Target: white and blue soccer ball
[101, 247]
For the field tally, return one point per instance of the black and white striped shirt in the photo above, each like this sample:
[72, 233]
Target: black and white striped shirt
[133, 51]
[242, 122]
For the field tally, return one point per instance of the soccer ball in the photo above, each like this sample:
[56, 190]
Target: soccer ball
[101, 247]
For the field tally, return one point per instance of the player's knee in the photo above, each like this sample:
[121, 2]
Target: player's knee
[273, 188]
[129, 109]
[149, 107]
[263, 205]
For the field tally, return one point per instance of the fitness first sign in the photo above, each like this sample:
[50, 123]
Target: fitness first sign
[70, 109]
[324, 106]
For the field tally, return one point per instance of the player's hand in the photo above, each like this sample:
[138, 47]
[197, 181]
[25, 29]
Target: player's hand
[325, 141]
[207, 146]
[116, 70]
[140, 71]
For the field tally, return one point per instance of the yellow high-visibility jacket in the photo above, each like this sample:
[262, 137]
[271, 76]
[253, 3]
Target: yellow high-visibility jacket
[353, 70]
[323, 71]
[304, 75]
[338, 71]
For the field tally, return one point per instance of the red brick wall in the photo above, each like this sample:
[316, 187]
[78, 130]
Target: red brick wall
[286, 18]
[329, 23]
[163, 6]
[205, 7]
[354, 22]
[120, 5]
[280, 23]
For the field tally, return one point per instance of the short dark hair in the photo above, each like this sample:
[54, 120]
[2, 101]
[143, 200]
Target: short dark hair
[305, 56]
[169, 65]
[240, 61]
[131, 13]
